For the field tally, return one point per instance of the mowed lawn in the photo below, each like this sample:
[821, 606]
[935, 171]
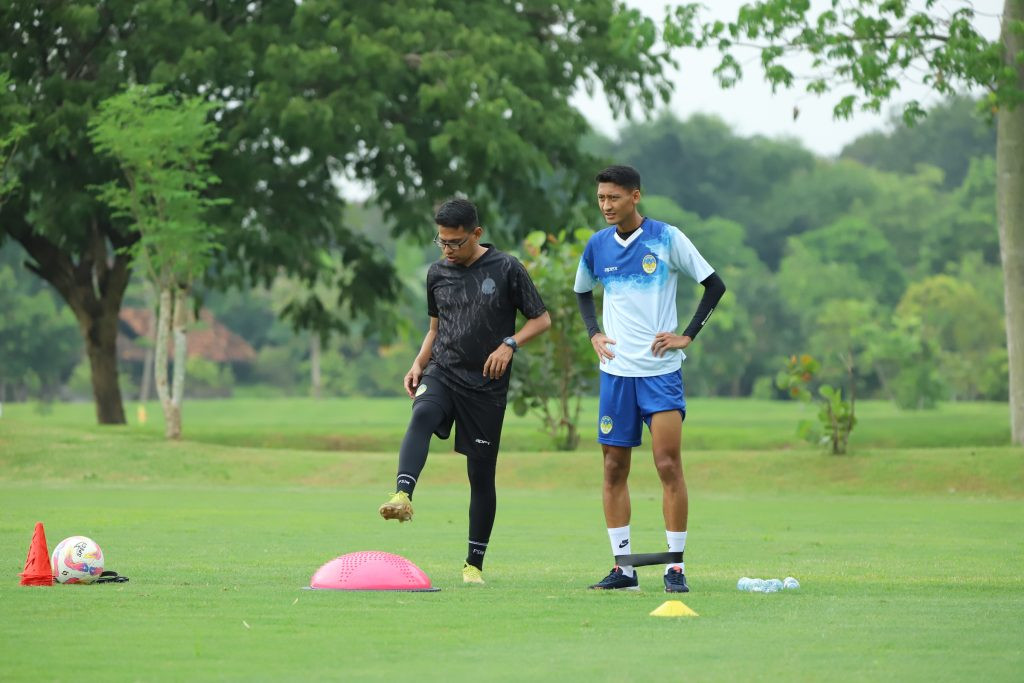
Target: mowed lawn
[909, 551]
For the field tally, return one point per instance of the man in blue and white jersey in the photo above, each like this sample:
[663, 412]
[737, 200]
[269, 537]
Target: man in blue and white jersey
[638, 261]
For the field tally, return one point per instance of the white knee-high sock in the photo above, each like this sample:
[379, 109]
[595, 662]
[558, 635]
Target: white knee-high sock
[619, 536]
[676, 544]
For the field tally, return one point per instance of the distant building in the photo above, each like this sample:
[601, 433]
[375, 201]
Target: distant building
[206, 338]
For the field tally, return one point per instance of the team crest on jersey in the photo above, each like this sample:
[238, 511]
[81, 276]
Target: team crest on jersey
[606, 424]
[649, 264]
[421, 390]
[488, 286]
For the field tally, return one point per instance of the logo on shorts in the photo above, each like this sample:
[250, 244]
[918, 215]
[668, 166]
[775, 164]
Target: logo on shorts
[649, 264]
[606, 424]
[422, 389]
[481, 441]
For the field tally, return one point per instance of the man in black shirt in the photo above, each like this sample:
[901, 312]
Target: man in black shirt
[462, 371]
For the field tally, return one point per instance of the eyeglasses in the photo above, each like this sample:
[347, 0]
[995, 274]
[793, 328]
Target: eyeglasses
[443, 244]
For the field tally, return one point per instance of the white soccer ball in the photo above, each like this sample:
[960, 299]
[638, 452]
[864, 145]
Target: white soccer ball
[77, 559]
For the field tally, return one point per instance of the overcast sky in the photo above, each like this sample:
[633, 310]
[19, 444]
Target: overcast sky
[750, 107]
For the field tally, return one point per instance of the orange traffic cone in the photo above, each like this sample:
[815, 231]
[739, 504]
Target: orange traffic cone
[37, 564]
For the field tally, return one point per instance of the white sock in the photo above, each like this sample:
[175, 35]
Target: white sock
[619, 536]
[676, 544]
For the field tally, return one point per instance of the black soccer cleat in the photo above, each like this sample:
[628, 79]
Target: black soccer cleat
[617, 580]
[675, 581]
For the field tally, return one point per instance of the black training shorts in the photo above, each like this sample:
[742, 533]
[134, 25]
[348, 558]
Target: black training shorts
[476, 417]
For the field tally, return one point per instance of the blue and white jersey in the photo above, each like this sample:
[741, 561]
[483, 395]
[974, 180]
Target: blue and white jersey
[639, 276]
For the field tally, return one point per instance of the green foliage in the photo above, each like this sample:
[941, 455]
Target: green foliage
[417, 100]
[277, 367]
[835, 416]
[353, 367]
[856, 242]
[972, 225]
[551, 376]
[950, 138]
[807, 283]
[39, 342]
[807, 200]
[872, 46]
[207, 379]
[13, 127]
[966, 329]
[163, 145]
[906, 362]
[708, 169]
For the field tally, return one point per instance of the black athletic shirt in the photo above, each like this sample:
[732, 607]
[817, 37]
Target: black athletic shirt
[476, 308]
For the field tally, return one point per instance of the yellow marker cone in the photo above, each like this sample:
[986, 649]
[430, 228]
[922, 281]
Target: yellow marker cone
[673, 608]
[141, 414]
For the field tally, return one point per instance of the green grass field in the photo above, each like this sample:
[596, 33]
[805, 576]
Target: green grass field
[909, 550]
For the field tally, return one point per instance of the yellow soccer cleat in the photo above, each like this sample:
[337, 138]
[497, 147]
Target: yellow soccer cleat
[398, 507]
[471, 574]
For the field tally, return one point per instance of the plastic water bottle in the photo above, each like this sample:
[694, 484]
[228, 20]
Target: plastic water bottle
[750, 585]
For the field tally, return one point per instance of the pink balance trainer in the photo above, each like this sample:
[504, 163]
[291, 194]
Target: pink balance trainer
[371, 570]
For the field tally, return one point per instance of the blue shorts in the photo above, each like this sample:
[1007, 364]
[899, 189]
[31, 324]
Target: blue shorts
[628, 402]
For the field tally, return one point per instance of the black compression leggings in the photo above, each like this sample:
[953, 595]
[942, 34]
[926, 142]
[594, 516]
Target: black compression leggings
[412, 457]
[483, 502]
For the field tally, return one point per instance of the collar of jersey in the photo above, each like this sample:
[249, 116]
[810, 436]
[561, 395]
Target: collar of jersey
[490, 248]
[632, 238]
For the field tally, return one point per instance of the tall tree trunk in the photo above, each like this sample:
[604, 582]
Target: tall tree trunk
[315, 378]
[101, 347]
[179, 321]
[163, 328]
[146, 384]
[1010, 192]
[93, 289]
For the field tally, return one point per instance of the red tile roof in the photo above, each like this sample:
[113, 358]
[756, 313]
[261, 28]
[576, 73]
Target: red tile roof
[206, 338]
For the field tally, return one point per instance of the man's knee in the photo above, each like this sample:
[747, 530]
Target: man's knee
[426, 415]
[616, 464]
[669, 466]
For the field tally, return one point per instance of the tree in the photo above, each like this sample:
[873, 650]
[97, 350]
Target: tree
[855, 241]
[951, 137]
[163, 147]
[418, 100]
[868, 48]
[963, 326]
[906, 363]
[969, 228]
[39, 344]
[707, 168]
[550, 379]
[12, 129]
[808, 200]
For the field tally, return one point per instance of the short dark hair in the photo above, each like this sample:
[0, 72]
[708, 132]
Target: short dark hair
[622, 175]
[457, 213]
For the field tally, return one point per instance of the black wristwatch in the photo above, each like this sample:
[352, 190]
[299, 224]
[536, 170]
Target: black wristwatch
[511, 341]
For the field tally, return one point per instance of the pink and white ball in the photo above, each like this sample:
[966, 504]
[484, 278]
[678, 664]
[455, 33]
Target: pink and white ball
[76, 559]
